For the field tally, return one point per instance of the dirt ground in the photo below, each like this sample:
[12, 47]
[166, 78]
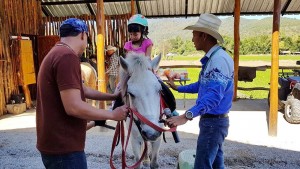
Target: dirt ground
[247, 145]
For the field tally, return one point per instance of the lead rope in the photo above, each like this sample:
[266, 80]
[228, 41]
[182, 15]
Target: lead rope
[120, 131]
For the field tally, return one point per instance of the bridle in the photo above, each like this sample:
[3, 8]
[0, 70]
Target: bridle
[120, 131]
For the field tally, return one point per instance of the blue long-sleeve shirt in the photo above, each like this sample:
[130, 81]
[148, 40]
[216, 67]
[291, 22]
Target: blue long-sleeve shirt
[215, 84]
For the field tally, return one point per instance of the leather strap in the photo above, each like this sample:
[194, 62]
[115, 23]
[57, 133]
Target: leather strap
[120, 130]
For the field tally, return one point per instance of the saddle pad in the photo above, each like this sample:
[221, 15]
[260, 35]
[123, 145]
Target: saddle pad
[168, 96]
[294, 78]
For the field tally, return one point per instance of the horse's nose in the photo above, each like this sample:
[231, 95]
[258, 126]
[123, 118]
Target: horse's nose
[150, 136]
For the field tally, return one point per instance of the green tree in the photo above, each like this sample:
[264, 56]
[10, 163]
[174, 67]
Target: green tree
[228, 43]
[176, 44]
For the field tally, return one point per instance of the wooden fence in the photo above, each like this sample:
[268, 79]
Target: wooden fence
[115, 28]
[258, 68]
[17, 17]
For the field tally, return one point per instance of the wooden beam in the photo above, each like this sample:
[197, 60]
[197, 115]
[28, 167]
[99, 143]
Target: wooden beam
[82, 2]
[287, 4]
[253, 88]
[273, 115]
[138, 6]
[45, 11]
[90, 9]
[186, 9]
[69, 2]
[237, 11]
[132, 7]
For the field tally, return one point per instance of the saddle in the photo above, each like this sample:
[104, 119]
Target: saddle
[168, 96]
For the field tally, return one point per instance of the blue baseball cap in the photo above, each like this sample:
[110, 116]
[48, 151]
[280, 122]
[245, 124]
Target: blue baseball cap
[75, 25]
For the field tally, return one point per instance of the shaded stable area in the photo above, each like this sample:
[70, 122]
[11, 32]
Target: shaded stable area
[107, 20]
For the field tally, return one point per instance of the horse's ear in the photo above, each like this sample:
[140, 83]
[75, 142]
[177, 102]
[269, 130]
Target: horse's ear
[155, 62]
[123, 63]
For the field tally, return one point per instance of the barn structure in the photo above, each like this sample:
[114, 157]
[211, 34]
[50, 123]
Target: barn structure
[29, 30]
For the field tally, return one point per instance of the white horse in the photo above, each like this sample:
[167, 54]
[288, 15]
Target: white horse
[138, 80]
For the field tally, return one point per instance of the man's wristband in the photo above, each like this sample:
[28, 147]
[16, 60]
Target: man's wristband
[189, 115]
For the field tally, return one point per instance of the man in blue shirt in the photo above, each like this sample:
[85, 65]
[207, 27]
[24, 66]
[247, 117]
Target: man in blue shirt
[215, 92]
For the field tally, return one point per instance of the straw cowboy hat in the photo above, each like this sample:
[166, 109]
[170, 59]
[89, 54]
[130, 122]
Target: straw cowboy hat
[111, 48]
[209, 24]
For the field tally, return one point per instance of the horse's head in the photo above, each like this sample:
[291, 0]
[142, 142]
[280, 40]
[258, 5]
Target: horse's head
[142, 85]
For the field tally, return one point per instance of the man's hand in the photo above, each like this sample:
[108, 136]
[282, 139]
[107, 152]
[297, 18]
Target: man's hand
[120, 113]
[171, 83]
[117, 92]
[176, 121]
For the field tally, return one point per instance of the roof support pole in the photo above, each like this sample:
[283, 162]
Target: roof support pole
[273, 114]
[100, 21]
[237, 12]
[132, 8]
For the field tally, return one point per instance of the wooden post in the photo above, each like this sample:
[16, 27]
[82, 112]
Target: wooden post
[27, 96]
[132, 8]
[237, 11]
[274, 70]
[100, 20]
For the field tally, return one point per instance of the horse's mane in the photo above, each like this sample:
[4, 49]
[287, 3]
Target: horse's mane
[137, 64]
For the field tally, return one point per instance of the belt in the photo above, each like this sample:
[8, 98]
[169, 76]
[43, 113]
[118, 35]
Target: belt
[214, 115]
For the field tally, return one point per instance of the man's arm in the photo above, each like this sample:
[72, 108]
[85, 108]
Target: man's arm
[210, 99]
[74, 106]
[171, 83]
[96, 95]
[191, 88]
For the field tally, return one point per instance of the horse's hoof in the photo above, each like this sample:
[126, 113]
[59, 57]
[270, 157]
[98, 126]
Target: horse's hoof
[154, 166]
[146, 164]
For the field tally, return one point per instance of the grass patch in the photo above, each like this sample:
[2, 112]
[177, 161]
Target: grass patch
[262, 80]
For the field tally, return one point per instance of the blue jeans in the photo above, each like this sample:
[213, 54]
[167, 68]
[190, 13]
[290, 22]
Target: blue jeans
[209, 153]
[75, 160]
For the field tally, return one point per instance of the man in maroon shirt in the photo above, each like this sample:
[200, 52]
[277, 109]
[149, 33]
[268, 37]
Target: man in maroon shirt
[62, 113]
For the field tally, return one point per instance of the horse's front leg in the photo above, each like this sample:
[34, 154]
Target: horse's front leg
[136, 143]
[154, 153]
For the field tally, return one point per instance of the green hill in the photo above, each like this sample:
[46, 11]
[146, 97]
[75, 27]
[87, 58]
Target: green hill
[169, 28]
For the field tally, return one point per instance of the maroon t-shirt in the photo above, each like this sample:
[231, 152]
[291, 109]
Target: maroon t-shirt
[57, 132]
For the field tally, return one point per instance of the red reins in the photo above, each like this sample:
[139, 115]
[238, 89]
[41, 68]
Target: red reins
[120, 131]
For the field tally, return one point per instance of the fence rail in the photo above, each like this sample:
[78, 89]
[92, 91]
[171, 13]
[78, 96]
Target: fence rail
[258, 68]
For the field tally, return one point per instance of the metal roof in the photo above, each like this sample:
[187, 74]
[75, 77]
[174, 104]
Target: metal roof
[166, 8]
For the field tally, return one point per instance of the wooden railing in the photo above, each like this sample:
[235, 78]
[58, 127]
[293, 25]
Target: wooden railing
[258, 68]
